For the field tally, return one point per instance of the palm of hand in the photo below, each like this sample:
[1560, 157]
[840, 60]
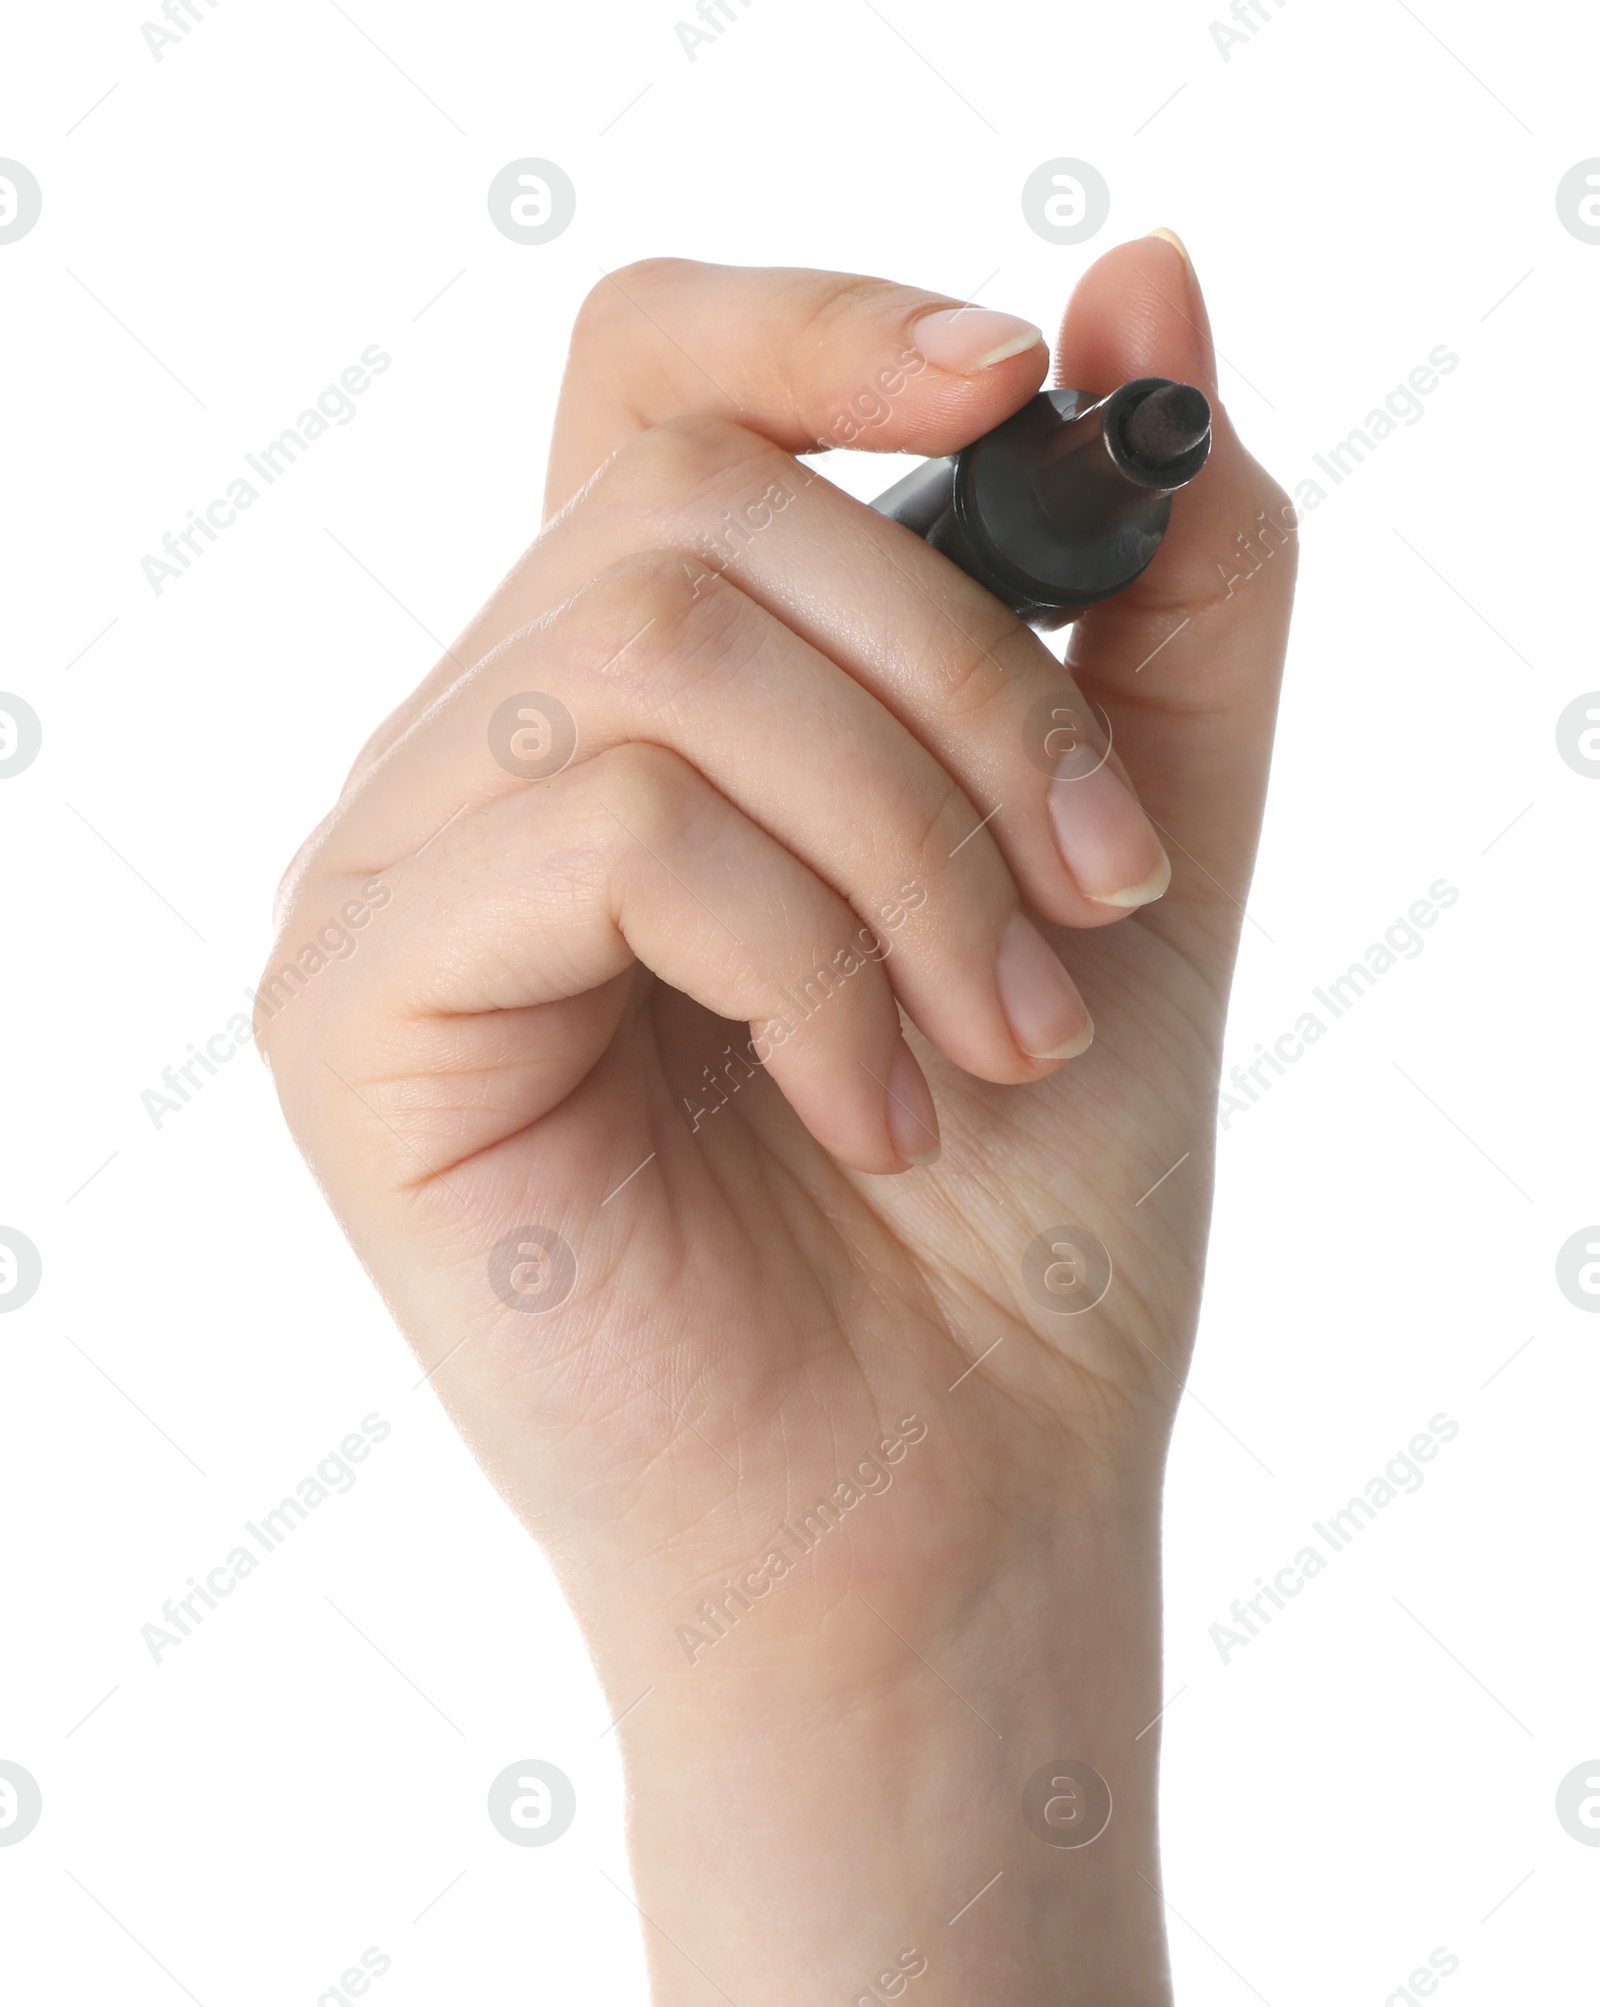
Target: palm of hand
[751, 1323]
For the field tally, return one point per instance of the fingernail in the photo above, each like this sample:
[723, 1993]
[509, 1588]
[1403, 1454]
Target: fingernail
[1146, 889]
[1040, 1000]
[1175, 241]
[1106, 840]
[913, 1120]
[967, 339]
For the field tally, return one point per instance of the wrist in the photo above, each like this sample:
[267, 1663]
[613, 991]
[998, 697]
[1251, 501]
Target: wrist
[816, 1810]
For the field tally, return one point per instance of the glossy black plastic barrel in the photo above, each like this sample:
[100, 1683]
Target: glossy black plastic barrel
[1051, 511]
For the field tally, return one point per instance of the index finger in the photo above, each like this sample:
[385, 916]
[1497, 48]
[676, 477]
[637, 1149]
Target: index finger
[807, 359]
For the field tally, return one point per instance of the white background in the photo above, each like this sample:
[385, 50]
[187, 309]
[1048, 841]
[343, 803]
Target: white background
[1371, 1778]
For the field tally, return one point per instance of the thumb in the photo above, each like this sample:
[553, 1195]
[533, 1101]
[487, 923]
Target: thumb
[1188, 659]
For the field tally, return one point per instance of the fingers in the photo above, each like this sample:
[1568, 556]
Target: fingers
[804, 358]
[1139, 311]
[657, 651]
[969, 680]
[499, 976]
[1188, 659]
[975, 687]
[801, 358]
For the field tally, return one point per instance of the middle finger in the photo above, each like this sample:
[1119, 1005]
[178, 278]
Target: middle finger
[970, 681]
[660, 653]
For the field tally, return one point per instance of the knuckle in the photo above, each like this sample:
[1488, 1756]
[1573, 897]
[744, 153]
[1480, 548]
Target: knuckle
[853, 337]
[315, 939]
[648, 588]
[296, 870]
[644, 275]
[649, 796]
[613, 301]
[978, 654]
[948, 819]
[850, 295]
[657, 617]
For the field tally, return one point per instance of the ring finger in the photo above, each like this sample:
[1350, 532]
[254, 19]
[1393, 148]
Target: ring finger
[660, 651]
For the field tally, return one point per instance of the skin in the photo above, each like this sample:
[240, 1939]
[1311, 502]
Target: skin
[765, 1295]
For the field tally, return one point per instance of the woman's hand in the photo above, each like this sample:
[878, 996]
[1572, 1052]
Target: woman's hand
[631, 1098]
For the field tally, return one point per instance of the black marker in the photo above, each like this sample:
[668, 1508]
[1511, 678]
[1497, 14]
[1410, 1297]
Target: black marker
[1067, 500]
